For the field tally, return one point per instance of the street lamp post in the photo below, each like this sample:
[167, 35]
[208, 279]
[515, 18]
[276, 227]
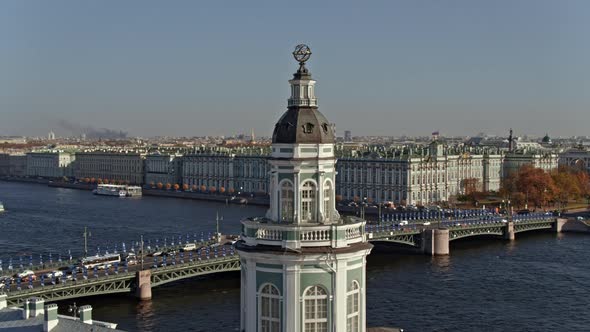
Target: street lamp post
[142, 253]
[86, 234]
[74, 309]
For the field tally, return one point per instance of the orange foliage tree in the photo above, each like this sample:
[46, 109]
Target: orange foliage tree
[231, 190]
[212, 189]
[160, 185]
[168, 186]
[222, 189]
[176, 186]
[203, 188]
[195, 187]
[530, 185]
[185, 187]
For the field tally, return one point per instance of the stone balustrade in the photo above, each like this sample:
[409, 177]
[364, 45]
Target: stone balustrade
[265, 232]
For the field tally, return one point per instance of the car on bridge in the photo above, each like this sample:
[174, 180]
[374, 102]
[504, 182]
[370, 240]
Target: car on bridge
[56, 274]
[189, 247]
[26, 275]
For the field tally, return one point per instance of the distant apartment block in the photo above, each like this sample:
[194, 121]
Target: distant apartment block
[578, 158]
[163, 168]
[49, 164]
[242, 173]
[4, 164]
[513, 161]
[17, 165]
[119, 166]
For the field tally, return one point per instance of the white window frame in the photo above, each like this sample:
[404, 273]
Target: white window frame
[353, 317]
[262, 294]
[308, 201]
[287, 204]
[311, 294]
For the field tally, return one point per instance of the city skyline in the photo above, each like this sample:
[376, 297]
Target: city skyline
[462, 69]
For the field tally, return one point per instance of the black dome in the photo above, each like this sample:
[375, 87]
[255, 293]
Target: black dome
[303, 125]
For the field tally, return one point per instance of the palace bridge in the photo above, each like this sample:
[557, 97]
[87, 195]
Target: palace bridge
[426, 236]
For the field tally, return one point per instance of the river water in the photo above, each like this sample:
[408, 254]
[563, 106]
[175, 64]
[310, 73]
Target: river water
[537, 283]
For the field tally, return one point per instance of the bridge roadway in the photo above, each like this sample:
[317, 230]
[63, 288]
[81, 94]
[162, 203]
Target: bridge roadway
[432, 239]
[111, 281]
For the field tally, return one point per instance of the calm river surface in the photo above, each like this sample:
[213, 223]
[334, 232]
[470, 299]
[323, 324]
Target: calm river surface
[537, 283]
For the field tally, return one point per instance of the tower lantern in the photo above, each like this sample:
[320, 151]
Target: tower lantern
[303, 265]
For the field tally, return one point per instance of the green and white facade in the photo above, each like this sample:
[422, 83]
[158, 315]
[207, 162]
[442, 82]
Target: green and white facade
[303, 266]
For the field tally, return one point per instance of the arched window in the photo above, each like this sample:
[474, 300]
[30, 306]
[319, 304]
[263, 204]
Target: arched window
[269, 309]
[286, 201]
[308, 201]
[327, 200]
[353, 308]
[315, 309]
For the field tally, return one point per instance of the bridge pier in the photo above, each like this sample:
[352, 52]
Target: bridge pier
[558, 224]
[509, 233]
[143, 290]
[435, 242]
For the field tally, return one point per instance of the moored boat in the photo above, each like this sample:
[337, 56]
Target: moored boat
[117, 190]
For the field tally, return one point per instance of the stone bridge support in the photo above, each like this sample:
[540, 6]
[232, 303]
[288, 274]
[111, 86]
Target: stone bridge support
[435, 241]
[143, 290]
[509, 233]
[558, 224]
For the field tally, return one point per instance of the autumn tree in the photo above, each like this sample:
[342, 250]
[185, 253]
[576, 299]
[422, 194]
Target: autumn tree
[470, 185]
[195, 187]
[203, 188]
[176, 186]
[212, 189]
[160, 185]
[168, 186]
[567, 186]
[185, 187]
[231, 190]
[222, 190]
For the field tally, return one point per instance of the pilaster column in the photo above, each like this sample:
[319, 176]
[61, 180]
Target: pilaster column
[251, 319]
[340, 290]
[274, 192]
[363, 296]
[297, 198]
[291, 295]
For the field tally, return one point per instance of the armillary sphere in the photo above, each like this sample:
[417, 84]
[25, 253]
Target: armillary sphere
[302, 53]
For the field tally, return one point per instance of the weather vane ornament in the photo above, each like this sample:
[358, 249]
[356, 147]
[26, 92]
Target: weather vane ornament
[302, 53]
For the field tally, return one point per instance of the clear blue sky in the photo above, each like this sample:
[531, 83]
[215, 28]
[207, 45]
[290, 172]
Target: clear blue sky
[221, 67]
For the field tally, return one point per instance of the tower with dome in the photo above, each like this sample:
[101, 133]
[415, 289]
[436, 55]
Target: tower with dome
[303, 265]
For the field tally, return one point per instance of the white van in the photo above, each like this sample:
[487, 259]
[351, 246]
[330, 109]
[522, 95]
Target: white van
[189, 247]
[403, 222]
